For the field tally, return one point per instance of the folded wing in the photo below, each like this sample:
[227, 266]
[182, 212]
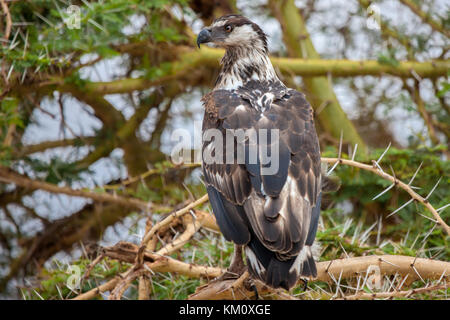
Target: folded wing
[270, 206]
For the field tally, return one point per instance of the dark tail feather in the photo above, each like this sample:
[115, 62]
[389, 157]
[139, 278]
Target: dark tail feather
[308, 265]
[275, 274]
[264, 265]
[278, 274]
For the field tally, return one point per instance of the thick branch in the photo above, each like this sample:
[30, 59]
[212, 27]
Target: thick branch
[42, 146]
[415, 268]
[192, 59]
[395, 294]
[336, 269]
[411, 267]
[346, 68]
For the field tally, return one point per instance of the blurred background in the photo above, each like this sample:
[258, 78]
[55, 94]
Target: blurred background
[91, 92]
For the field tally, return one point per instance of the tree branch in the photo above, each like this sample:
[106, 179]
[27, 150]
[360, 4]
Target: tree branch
[424, 113]
[42, 146]
[395, 294]
[8, 19]
[375, 169]
[167, 221]
[91, 294]
[330, 270]
[387, 264]
[319, 90]
[193, 59]
[426, 18]
[10, 176]
[391, 33]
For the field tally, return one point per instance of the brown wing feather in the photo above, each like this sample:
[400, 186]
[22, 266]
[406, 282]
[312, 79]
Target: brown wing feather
[281, 210]
[283, 222]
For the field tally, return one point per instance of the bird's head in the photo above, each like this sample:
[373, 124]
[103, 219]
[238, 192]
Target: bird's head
[232, 31]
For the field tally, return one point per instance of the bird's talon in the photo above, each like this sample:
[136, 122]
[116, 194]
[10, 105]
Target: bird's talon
[255, 290]
[305, 284]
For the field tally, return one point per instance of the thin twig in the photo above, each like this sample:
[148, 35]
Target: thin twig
[8, 20]
[10, 176]
[398, 183]
[169, 219]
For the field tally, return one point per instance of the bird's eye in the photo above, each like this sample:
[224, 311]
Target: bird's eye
[228, 28]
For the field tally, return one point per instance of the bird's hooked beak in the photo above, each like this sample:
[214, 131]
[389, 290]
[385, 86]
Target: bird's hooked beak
[204, 37]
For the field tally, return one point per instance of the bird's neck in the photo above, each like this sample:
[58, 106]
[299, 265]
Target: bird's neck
[241, 64]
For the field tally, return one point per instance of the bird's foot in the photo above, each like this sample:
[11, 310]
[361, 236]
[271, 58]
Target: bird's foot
[237, 284]
[305, 283]
[249, 284]
[233, 272]
[236, 268]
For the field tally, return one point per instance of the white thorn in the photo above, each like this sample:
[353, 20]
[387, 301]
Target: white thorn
[442, 208]
[9, 72]
[354, 152]
[383, 192]
[392, 264]
[434, 188]
[404, 205]
[332, 168]
[380, 225]
[428, 234]
[382, 155]
[415, 173]
[435, 221]
[401, 284]
[378, 166]
[340, 144]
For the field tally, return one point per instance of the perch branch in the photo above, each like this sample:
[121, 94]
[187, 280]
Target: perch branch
[414, 268]
[388, 264]
[330, 270]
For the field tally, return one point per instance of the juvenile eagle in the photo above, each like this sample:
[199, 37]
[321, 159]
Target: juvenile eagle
[272, 216]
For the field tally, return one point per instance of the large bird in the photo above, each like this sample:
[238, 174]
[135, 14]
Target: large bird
[267, 202]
